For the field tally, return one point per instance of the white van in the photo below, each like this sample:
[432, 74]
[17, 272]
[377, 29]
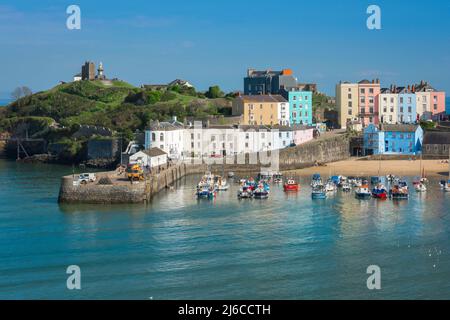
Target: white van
[86, 177]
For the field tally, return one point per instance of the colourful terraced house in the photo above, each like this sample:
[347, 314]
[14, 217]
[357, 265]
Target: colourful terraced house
[401, 139]
[407, 112]
[300, 106]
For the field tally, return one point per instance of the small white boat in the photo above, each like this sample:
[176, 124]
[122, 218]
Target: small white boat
[330, 187]
[221, 183]
[363, 192]
[420, 187]
[346, 187]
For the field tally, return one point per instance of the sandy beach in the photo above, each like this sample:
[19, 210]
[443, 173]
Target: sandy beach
[353, 167]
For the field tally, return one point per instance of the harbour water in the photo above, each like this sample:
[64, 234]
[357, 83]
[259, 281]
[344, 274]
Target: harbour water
[286, 247]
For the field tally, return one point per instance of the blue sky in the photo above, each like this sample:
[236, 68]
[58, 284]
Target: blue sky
[214, 42]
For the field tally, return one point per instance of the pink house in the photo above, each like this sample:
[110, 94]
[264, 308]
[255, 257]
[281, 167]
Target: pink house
[437, 104]
[368, 101]
[303, 134]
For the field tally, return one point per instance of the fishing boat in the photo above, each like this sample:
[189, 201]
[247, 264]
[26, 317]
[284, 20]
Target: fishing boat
[260, 192]
[316, 180]
[346, 187]
[318, 192]
[291, 185]
[220, 183]
[330, 186]
[399, 191]
[245, 193]
[205, 192]
[445, 185]
[363, 192]
[379, 192]
[277, 178]
[420, 187]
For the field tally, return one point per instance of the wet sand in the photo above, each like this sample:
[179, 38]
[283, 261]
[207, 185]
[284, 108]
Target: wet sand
[353, 167]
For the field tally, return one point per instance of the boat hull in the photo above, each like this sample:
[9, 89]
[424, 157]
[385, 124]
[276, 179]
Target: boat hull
[363, 195]
[291, 187]
[321, 195]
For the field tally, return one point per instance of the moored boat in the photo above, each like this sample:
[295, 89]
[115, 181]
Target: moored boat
[420, 187]
[316, 180]
[346, 187]
[330, 186]
[260, 192]
[245, 193]
[291, 185]
[379, 192]
[399, 191]
[277, 178]
[205, 192]
[363, 192]
[318, 192]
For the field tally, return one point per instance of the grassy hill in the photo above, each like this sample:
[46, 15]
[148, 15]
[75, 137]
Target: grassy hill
[113, 104]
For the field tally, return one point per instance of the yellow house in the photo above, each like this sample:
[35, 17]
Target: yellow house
[347, 102]
[260, 109]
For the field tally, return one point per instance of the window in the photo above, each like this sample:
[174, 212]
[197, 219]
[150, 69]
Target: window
[409, 109]
[247, 136]
[294, 98]
[349, 95]
[153, 136]
[349, 112]
[192, 136]
[401, 99]
[371, 90]
[161, 136]
[362, 90]
[349, 104]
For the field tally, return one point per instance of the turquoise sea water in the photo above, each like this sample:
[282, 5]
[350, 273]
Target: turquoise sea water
[286, 247]
[4, 102]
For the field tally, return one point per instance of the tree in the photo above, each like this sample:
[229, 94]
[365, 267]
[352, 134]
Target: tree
[26, 91]
[16, 94]
[21, 92]
[214, 92]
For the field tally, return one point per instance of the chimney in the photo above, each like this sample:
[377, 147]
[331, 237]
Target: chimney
[377, 81]
[413, 88]
[250, 71]
[373, 81]
[409, 89]
[391, 88]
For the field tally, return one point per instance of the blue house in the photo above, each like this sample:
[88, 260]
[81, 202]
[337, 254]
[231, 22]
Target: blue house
[407, 111]
[300, 106]
[401, 139]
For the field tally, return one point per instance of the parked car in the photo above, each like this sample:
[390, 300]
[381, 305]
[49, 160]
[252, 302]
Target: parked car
[86, 177]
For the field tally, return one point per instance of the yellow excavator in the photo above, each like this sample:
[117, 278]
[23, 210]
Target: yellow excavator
[135, 172]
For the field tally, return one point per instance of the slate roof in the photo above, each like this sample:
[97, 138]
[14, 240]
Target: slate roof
[154, 152]
[263, 98]
[432, 137]
[399, 127]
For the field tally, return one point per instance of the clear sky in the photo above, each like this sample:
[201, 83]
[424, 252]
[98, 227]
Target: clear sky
[214, 41]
